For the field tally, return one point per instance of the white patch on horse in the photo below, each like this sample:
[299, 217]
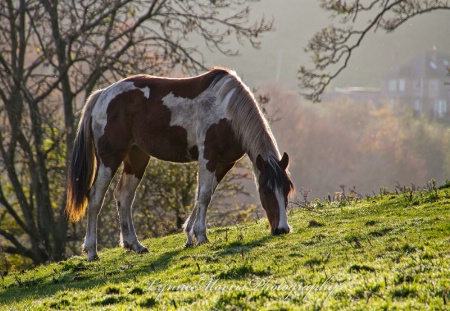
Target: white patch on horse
[209, 107]
[146, 91]
[283, 224]
[99, 116]
[182, 113]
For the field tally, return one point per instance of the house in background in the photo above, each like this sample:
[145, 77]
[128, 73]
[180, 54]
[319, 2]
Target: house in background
[423, 84]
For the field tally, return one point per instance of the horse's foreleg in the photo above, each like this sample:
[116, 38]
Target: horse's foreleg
[124, 195]
[204, 198]
[96, 195]
[188, 227]
[195, 227]
[192, 221]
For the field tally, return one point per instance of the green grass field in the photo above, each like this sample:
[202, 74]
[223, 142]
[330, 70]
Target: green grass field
[390, 252]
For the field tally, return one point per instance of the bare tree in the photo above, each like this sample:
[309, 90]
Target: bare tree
[54, 54]
[332, 47]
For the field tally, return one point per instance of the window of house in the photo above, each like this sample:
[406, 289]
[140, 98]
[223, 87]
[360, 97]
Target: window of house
[417, 105]
[433, 89]
[393, 102]
[392, 86]
[440, 108]
[401, 85]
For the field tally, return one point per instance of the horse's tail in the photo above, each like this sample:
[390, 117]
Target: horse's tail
[82, 164]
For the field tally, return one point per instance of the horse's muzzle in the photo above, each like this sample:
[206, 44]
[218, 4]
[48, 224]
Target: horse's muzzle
[279, 231]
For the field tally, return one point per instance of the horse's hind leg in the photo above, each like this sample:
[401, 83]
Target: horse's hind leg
[134, 166]
[96, 195]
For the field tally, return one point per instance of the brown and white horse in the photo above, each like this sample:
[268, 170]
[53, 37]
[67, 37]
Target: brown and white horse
[212, 118]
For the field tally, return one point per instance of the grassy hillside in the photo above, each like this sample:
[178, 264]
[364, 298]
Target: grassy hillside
[386, 252]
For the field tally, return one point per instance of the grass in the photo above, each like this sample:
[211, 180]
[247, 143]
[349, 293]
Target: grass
[381, 253]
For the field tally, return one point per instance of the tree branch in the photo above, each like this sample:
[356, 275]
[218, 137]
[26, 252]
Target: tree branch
[332, 48]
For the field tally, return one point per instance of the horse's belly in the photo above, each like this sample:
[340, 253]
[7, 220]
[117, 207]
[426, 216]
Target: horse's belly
[173, 153]
[168, 144]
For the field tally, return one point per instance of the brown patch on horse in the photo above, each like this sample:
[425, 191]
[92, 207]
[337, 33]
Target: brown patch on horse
[194, 152]
[221, 148]
[157, 137]
[117, 138]
[135, 162]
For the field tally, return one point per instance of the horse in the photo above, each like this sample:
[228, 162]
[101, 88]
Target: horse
[212, 118]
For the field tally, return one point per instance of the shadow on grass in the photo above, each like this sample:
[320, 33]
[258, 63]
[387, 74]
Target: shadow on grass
[237, 246]
[123, 267]
[93, 275]
[243, 267]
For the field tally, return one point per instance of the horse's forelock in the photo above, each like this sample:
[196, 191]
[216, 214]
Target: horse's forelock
[276, 177]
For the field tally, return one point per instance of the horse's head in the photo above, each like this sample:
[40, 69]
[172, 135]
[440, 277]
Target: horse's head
[275, 187]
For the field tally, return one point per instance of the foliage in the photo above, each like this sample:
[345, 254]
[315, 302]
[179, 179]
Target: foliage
[54, 54]
[358, 144]
[380, 253]
[332, 47]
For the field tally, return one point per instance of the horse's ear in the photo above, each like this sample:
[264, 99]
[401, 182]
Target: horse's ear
[260, 165]
[284, 162]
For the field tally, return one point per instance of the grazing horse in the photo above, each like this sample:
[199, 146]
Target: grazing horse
[212, 118]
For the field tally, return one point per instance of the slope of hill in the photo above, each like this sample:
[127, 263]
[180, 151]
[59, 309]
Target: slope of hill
[385, 252]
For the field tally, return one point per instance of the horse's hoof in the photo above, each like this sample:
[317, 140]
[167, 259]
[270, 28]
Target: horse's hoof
[279, 231]
[93, 257]
[202, 241]
[138, 248]
[189, 241]
[143, 251]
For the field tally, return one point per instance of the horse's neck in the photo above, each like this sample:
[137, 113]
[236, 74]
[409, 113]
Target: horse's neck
[247, 118]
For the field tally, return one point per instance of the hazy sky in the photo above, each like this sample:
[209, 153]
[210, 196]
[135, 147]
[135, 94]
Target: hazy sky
[296, 21]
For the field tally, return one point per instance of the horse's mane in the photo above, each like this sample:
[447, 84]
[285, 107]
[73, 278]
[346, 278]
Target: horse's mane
[247, 119]
[276, 175]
